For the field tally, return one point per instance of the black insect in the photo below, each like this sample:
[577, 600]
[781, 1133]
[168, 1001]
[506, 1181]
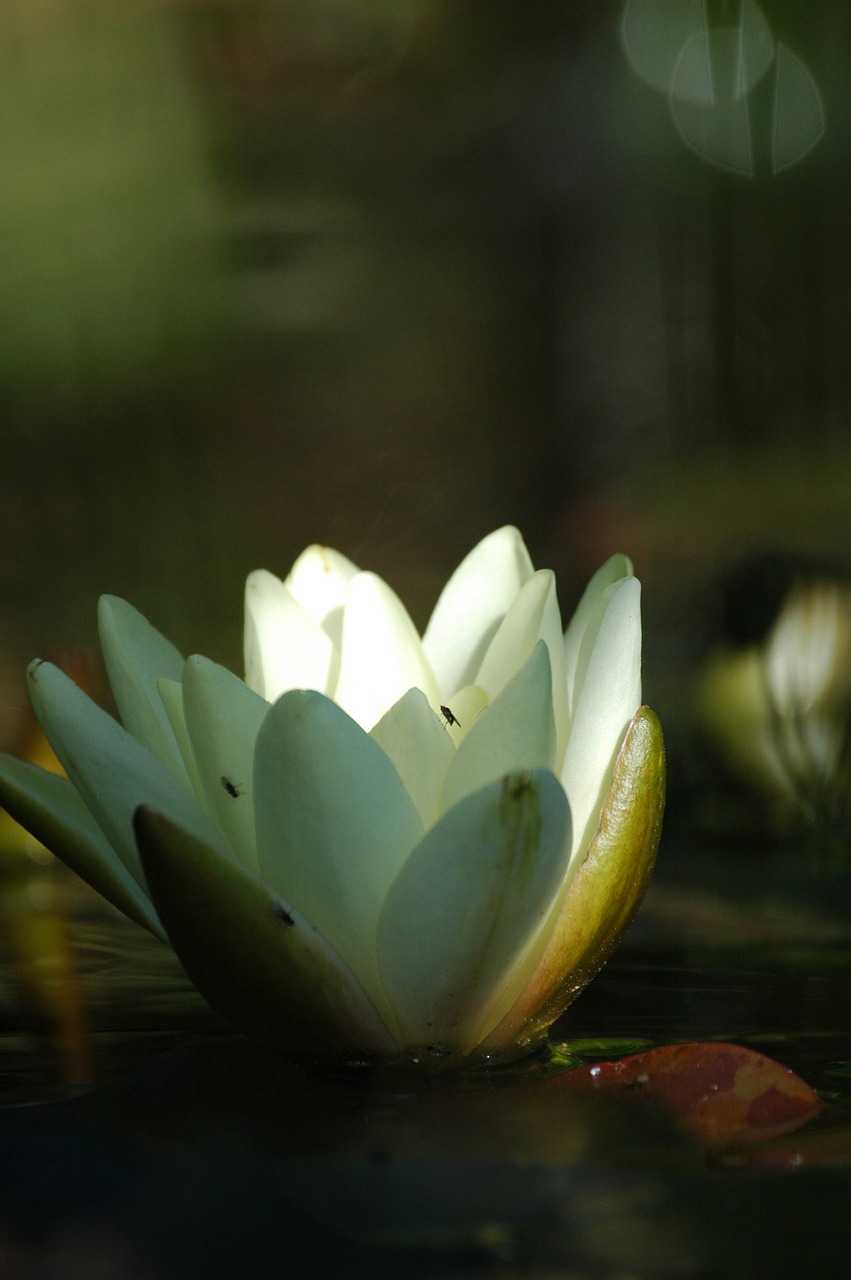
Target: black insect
[282, 913]
[230, 787]
[448, 716]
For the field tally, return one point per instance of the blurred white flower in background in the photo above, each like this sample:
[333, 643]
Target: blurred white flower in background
[781, 710]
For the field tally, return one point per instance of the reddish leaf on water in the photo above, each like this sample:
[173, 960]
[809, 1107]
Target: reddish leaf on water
[826, 1146]
[721, 1094]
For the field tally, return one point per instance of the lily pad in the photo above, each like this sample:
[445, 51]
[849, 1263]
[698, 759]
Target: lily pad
[720, 1094]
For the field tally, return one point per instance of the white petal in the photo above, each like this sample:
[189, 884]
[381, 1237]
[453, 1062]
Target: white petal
[615, 568]
[136, 655]
[112, 771]
[382, 654]
[608, 694]
[51, 809]
[420, 747]
[472, 605]
[284, 647]
[515, 732]
[319, 580]
[255, 958]
[223, 718]
[466, 907]
[171, 693]
[808, 651]
[468, 703]
[533, 616]
[334, 824]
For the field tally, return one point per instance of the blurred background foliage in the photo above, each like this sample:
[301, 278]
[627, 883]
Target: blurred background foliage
[389, 273]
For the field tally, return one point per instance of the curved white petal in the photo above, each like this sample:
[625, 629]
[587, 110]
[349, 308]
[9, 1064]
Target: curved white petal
[516, 731]
[608, 694]
[614, 569]
[112, 771]
[420, 747]
[382, 655]
[52, 810]
[223, 719]
[467, 905]
[468, 703]
[285, 648]
[319, 581]
[135, 656]
[533, 616]
[334, 824]
[171, 693]
[472, 605]
[808, 651]
[254, 957]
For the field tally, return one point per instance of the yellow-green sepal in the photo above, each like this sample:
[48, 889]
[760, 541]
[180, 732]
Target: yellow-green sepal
[255, 958]
[606, 890]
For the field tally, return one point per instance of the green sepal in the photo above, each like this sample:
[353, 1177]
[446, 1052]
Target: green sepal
[606, 891]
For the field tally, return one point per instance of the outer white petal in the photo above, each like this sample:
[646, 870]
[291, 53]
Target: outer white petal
[52, 810]
[334, 824]
[515, 732]
[253, 956]
[472, 605]
[615, 568]
[382, 654]
[285, 648]
[223, 718]
[466, 907]
[112, 771]
[420, 747]
[171, 692]
[608, 694]
[136, 655]
[319, 580]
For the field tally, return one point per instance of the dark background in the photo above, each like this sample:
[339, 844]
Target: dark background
[388, 275]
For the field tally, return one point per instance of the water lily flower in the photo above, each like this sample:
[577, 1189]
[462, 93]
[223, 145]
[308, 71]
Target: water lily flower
[377, 844]
[780, 710]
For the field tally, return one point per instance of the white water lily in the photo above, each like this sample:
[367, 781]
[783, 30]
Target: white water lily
[780, 711]
[376, 844]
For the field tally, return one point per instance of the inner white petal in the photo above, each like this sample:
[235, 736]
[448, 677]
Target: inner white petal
[319, 581]
[382, 655]
[285, 648]
[608, 695]
[472, 605]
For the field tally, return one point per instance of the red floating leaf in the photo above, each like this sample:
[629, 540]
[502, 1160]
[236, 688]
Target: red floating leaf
[826, 1146]
[720, 1094]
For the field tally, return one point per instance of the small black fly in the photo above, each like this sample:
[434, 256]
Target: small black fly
[448, 716]
[282, 913]
[230, 787]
